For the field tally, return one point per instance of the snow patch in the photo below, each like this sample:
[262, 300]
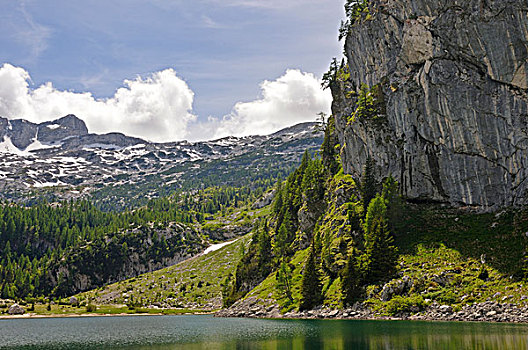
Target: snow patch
[48, 184]
[6, 146]
[215, 247]
[53, 126]
[37, 145]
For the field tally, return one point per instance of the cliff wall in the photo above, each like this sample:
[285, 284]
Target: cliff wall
[450, 82]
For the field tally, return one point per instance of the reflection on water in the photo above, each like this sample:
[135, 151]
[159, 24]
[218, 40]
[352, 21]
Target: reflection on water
[206, 332]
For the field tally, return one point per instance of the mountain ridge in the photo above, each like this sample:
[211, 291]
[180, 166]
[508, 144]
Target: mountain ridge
[64, 160]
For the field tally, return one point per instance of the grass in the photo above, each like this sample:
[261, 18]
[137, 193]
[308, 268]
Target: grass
[499, 236]
[193, 284]
[457, 257]
[443, 275]
[268, 288]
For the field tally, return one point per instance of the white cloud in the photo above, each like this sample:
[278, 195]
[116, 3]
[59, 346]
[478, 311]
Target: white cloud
[157, 108]
[293, 98]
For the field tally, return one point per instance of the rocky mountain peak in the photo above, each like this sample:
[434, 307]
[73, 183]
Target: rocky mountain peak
[60, 129]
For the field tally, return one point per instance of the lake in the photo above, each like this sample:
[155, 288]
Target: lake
[207, 332]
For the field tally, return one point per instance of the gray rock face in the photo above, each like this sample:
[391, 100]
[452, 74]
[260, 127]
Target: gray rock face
[60, 129]
[21, 132]
[454, 83]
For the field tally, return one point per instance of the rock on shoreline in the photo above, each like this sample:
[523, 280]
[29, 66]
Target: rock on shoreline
[16, 309]
[481, 312]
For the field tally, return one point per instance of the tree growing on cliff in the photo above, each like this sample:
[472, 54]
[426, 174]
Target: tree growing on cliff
[368, 185]
[351, 279]
[329, 153]
[365, 108]
[311, 289]
[284, 280]
[354, 10]
[380, 255]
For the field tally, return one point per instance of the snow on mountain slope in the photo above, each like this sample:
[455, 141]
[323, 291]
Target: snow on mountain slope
[62, 157]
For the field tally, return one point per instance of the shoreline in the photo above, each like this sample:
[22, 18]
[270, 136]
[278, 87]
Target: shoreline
[321, 314]
[489, 311]
[494, 312]
[36, 316]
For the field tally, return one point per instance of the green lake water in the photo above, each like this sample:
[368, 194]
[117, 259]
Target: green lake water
[207, 332]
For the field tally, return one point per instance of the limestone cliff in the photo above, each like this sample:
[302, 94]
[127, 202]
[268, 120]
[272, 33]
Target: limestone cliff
[450, 80]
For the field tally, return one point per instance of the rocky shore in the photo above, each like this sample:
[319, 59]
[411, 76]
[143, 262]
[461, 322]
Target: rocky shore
[480, 312]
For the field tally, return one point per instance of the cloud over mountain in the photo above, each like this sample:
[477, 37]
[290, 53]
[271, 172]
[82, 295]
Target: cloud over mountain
[293, 98]
[159, 107]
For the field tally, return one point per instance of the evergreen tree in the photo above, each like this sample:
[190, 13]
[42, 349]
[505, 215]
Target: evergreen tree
[264, 251]
[380, 256]
[391, 195]
[228, 290]
[368, 184]
[284, 279]
[329, 154]
[351, 279]
[311, 289]
[281, 242]
[313, 182]
[365, 104]
[278, 201]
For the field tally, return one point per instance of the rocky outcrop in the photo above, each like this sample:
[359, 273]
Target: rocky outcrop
[452, 83]
[21, 132]
[60, 129]
[128, 254]
[252, 307]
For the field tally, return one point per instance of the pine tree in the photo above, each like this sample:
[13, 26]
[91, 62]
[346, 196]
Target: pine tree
[365, 104]
[368, 184]
[380, 257]
[351, 279]
[391, 195]
[284, 279]
[281, 242]
[329, 153]
[311, 289]
[264, 251]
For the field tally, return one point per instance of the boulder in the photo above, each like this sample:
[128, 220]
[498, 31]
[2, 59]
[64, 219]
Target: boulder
[396, 287]
[74, 301]
[16, 309]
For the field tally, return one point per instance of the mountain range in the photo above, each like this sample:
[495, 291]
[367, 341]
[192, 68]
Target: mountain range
[60, 159]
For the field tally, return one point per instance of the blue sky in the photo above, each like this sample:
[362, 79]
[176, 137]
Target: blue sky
[223, 50]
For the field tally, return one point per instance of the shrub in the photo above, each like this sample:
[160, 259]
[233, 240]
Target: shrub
[483, 274]
[91, 308]
[400, 304]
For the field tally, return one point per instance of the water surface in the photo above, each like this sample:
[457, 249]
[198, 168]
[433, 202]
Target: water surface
[207, 332]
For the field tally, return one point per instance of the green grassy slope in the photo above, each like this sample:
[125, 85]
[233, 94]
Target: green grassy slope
[449, 256]
[192, 284]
